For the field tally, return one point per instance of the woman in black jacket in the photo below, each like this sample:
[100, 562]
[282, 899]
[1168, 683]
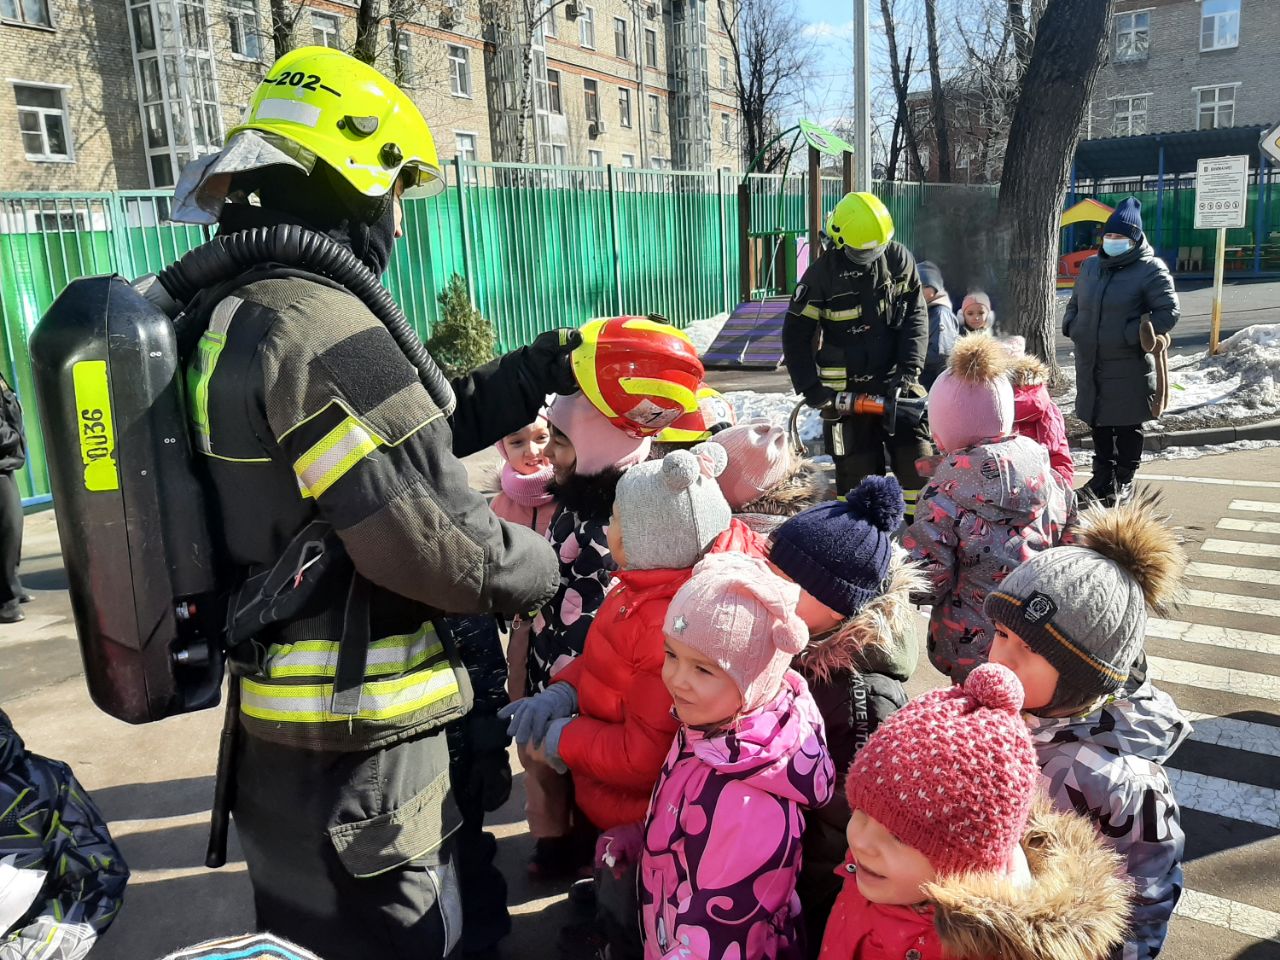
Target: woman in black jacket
[1115, 377]
[13, 456]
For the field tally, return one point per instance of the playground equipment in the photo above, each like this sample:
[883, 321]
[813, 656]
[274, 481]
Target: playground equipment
[1086, 211]
[770, 260]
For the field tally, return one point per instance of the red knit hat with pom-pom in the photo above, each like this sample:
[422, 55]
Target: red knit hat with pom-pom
[952, 773]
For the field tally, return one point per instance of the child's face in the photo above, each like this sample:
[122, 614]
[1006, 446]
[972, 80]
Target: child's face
[524, 448]
[560, 452]
[889, 871]
[817, 616]
[704, 694]
[975, 316]
[615, 540]
[1039, 677]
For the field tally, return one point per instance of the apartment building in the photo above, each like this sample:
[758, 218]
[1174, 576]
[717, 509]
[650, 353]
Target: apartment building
[1188, 65]
[120, 94]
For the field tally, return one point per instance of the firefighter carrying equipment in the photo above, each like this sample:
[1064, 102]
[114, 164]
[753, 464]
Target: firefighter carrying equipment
[640, 372]
[894, 410]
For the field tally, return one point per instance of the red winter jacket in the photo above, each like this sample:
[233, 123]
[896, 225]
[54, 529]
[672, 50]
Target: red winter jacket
[615, 746]
[1036, 416]
[861, 930]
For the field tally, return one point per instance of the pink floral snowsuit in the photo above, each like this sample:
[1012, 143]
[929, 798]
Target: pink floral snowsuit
[986, 509]
[722, 838]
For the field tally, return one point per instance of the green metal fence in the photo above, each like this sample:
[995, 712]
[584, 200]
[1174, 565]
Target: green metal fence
[539, 247]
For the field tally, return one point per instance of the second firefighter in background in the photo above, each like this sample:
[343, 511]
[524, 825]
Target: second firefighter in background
[858, 323]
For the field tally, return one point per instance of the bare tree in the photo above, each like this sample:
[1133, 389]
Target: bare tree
[942, 135]
[285, 15]
[1069, 45]
[770, 55]
[904, 133]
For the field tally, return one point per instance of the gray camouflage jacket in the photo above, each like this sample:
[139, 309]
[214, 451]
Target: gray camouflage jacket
[1109, 766]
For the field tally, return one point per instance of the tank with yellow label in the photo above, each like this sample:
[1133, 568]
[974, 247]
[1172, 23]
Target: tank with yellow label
[131, 514]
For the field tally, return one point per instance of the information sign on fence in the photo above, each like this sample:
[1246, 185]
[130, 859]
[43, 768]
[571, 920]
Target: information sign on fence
[1222, 185]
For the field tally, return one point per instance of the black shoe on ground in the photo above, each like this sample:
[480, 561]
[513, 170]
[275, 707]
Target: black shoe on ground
[1096, 491]
[583, 896]
[25, 598]
[10, 613]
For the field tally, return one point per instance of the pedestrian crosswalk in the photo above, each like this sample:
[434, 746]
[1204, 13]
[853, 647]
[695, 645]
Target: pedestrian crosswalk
[1218, 654]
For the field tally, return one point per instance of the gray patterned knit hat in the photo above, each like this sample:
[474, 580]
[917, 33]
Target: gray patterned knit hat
[672, 509]
[1084, 608]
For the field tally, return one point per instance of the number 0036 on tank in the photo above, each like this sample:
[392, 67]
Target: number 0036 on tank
[94, 427]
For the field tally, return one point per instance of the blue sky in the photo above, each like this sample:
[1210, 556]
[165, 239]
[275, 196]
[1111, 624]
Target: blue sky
[828, 94]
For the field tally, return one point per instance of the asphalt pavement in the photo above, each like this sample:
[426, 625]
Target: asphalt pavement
[1218, 654]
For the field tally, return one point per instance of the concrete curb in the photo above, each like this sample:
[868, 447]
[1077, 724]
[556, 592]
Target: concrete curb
[1203, 436]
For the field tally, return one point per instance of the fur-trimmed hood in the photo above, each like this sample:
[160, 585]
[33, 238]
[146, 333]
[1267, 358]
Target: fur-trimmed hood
[1028, 371]
[806, 486]
[1075, 908]
[875, 632]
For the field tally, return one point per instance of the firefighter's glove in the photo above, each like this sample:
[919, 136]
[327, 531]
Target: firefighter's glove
[819, 396]
[548, 363]
[531, 716]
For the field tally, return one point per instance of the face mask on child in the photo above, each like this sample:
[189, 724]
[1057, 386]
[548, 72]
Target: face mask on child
[1115, 246]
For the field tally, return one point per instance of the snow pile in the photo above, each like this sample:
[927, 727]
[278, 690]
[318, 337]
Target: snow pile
[776, 408]
[1241, 383]
[703, 333]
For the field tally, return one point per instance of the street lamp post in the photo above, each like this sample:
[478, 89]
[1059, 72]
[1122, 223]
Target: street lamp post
[862, 96]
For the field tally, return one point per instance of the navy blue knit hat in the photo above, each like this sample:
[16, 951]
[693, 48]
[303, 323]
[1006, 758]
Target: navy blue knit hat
[1126, 220]
[840, 552]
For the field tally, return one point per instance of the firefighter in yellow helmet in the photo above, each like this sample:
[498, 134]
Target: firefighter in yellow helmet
[857, 322]
[330, 445]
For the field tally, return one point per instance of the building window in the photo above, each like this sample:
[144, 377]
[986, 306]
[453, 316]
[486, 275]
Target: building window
[659, 163]
[620, 46]
[549, 26]
[595, 158]
[464, 147]
[655, 113]
[624, 107]
[401, 53]
[1133, 36]
[726, 129]
[651, 48]
[35, 12]
[324, 30]
[1219, 24]
[459, 71]
[724, 73]
[591, 100]
[587, 28]
[43, 120]
[245, 40]
[1130, 116]
[554, 103]
[629, 160]
[1216, 107]
[559, 155]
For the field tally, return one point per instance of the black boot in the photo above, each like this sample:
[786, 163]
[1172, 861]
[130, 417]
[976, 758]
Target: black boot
[1101, 486]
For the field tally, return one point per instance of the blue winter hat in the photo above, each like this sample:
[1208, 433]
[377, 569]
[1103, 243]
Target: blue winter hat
[1126, 220]
[840, 552]
[930, 275]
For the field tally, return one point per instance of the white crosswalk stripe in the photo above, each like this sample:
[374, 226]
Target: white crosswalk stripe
[1242, 548]
[1227, 638]
[1254, 506]
[1224, 571]
[1235, 734]
[1231, 603]
[1249, 526]
[1222, 679]
[1210, 481]
[1226, 798]
[1240, 917]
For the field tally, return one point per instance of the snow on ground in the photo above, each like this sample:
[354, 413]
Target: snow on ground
[776, 408]
[1242, 382]
[704, 332]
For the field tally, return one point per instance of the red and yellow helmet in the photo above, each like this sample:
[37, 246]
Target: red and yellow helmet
[640, 372]
[714, 414]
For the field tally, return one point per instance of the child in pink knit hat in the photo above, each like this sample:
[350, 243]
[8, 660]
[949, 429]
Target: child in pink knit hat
[723, 836]
[993, 501]
[950, 855]
[766, 481]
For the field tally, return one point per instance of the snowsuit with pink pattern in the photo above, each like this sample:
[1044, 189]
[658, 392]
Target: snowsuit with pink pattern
[722, 838]
[986, 509]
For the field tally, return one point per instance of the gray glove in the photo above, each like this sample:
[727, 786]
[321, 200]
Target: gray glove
[552, 745]
[531, 716]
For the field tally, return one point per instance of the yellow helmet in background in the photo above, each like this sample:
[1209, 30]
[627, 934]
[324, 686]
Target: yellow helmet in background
[350, 116]
[860, 221]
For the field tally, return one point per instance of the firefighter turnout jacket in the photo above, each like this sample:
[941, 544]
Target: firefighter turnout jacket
[850, 328]
[305, 409]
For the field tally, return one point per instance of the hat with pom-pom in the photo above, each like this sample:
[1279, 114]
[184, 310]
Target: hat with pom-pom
[1084, 607]
[759, 459]
[972, 399]
[840, 552]
[736, 611]
[672, 509]
[953, 773]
